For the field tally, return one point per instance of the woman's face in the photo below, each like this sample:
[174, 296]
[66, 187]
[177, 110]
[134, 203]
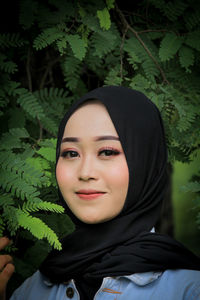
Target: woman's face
[92, 171]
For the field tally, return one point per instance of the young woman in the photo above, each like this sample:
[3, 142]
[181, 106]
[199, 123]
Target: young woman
[111, 173]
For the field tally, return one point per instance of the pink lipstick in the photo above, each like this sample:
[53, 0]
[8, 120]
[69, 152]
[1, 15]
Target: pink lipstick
[89, 194]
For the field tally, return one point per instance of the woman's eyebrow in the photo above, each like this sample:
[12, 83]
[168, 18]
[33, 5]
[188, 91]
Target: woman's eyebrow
[96, 139]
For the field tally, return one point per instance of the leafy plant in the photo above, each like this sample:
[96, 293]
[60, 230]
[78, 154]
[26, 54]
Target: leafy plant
[57, 51]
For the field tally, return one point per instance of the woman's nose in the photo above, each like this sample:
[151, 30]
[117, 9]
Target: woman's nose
[87, 169]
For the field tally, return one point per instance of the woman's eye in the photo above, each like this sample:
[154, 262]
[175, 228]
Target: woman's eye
[108, 152]
[69, 154]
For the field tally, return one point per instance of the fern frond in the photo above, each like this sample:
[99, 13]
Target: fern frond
[50, 124]
[6, 200]
[8, 40]
[193, 187]
[92, 23]
[104, 18]
[11, 88]
[103, 42]
[192, 19]
[169, 46]
[48, 153]
[71, 67]
[47, 37]
[37, 228]
[29, 103]
[113, 77]
[31, 206]
[77, 45]
[7, 66]
[13, 183]
[138, 54]
[186, 56]
[52, 94]
[12, 139]
[140, 83]
[172, 10]
[192, 40]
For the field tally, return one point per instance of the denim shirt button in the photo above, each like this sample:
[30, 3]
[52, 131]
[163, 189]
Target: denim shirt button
[70, 292]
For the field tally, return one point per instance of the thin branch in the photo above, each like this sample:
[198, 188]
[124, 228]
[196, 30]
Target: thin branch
[126, 24]
[154, 30]
[48, 69]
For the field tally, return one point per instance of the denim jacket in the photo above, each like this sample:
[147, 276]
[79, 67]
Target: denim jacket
[168, 285]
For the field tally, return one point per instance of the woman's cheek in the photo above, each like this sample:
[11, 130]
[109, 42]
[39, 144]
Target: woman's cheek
[60, 172]
[119, 174]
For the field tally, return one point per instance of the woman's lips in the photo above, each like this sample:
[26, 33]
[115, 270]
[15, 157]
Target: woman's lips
[89, 194]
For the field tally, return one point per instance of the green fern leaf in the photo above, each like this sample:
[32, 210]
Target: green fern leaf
[103, 43]
[47, 153]
[38, 228]
[71, 70]
[78, 45]
[186, 56]
[110, 4]
[29, 103]
[140, 83]
[138, 53]
[47, 37]
[193, 187]
[104, 18]
[192, 19]
[31, 206]
[6, 200]
[193, 40]
[113, 77]
[172, 10]
[7, 66]
[13, 183]
[169, 46]
[39, 163]
[8, 40]
[12, 139]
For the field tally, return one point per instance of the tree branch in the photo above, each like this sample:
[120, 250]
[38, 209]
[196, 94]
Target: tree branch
[128, 27]
[48, 68]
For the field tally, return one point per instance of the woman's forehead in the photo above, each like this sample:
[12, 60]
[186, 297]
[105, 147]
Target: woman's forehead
[91, 118]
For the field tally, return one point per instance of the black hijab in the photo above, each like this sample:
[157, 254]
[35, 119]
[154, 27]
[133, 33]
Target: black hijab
[124, 245]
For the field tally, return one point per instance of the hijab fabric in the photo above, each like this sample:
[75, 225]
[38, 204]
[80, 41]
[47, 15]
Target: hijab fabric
[124, 245]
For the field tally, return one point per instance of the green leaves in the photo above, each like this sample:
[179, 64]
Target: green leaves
[78, 46]
[57, 52]
[169, 46]
[186, 55]
[104, 18]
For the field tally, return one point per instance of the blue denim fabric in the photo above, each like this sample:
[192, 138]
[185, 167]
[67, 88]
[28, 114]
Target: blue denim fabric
[168, 285]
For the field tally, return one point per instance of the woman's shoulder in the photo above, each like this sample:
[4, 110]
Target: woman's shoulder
[170, 284]
[181, 283]
[182, 275]
[35, 285]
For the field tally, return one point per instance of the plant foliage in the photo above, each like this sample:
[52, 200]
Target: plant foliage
[57, 51]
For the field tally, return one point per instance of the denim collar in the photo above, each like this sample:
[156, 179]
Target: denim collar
[138, 278]
[142, 278]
